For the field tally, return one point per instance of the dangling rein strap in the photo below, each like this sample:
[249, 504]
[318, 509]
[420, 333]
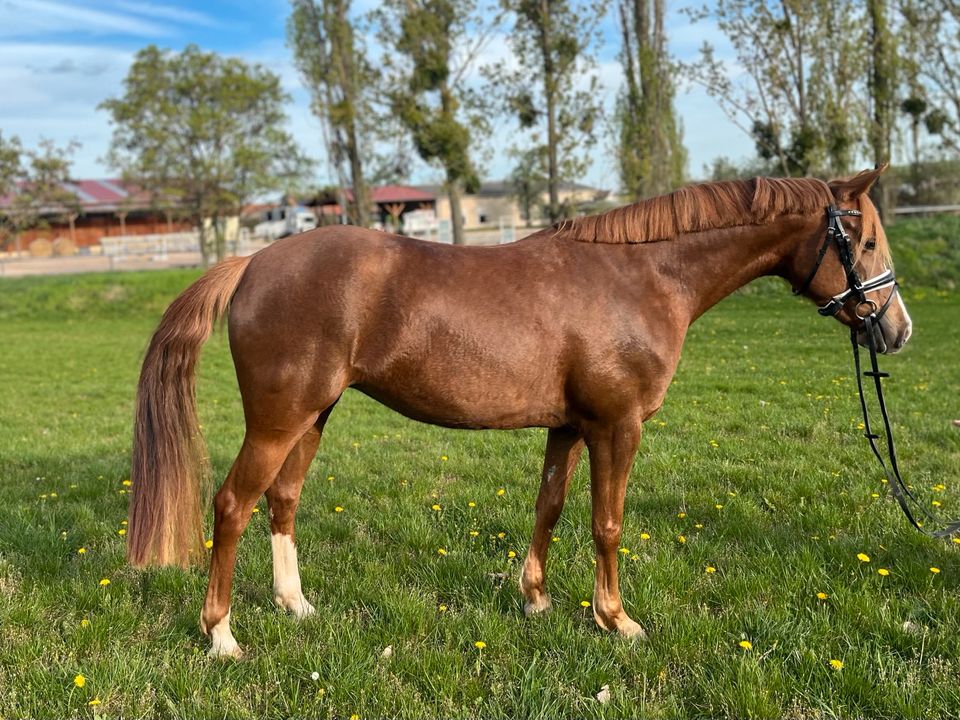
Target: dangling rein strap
[900, 490]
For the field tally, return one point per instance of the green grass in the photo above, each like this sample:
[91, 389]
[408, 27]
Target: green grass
[768, 381]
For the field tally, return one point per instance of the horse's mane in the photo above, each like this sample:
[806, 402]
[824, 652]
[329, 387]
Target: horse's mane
[705, 206]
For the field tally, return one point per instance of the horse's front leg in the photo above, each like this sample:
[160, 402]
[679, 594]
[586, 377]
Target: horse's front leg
[564, 446]
[612, 449]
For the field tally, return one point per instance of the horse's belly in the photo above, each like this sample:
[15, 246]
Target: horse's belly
[466, 403]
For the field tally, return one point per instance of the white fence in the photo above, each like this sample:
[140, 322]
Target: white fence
[158, 246]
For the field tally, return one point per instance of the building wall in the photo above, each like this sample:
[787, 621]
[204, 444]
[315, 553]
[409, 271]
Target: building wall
[88, 229]
[481, 211]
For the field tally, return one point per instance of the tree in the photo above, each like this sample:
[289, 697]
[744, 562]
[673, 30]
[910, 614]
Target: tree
[936, 99]
[882, 86]
[551, 89]
[528, 179]
[34, 181]
[799, 96]
[426, 87]
[650, 153]
[205, 131]
[338, 77]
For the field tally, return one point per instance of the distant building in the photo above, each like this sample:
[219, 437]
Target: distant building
[496, 201]
[107, 208]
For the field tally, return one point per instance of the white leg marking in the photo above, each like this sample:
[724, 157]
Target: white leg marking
[222, 643]
[287, 592]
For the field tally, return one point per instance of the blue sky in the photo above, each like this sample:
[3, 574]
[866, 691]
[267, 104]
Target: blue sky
[59, 59]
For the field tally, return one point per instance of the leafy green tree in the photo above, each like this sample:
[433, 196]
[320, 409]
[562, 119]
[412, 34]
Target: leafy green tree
[882, 87]
[528, 179]
[334, 69]
[551, 88]
[34, 181]
[204, 130]
[936, 100]
[800, 95]
[426, 88]
[651, 154]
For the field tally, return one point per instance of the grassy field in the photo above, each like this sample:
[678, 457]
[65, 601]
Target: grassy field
[755, 468]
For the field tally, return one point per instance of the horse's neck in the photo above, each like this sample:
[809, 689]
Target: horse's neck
[709, 266]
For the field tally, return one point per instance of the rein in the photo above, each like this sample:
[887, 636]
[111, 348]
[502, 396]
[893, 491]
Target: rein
[871, 325]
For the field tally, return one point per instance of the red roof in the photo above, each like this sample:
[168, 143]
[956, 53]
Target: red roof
[396, 194]
[102, 195]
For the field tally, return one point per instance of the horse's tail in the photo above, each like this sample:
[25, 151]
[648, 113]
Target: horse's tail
[168, 471]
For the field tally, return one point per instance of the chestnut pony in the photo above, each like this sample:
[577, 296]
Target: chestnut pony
[576, 328]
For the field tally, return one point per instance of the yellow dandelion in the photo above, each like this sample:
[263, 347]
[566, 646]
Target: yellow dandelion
[443, 458]
[584, 603]
[81, 551]
[331, 477]
[338, 509]
[479, 644]
[863, 557]
[84, 623]
[625, 551]
[441, 551]
[104, 582]
[474, 533]
[935, 570]
[555, 539]
[79, 681]
[644, 536]
[208, 544]
[836, 664]
[681, 539]
[501, 535]
[256, 509]
[121, 532]
[434, 507]
[94, 702]
[127, 483]
[956, 540]
[883, 571]
[746, 644]
[501, 492]
[699, 526]
[441, 608]
[681, 515]
[511, 554]
[354, 717]
[935, 503]
[53, 494]
[718, 506]
[710, 569]
[822, 596]
[471, 504]
[123, 522]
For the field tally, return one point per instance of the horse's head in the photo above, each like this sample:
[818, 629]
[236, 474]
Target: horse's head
[846, 267]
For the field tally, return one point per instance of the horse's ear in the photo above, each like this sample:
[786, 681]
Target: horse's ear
[859, 184]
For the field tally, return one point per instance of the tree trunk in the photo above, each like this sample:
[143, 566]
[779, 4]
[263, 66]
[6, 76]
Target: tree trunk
[550, 95]
[881, 83]
[456, 214]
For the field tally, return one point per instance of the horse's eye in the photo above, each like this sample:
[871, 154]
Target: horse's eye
[870, 245]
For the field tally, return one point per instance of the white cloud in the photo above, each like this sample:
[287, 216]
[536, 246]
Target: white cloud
[167, 12]
[45, 18]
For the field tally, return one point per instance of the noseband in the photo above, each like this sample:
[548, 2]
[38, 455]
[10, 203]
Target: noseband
[837, 235]
[857, 289]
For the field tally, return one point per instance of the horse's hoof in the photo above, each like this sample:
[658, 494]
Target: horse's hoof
[297, 606]
[537, 607]
[225, 648]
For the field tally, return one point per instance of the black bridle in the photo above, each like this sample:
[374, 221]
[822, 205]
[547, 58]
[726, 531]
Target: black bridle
[857, 290]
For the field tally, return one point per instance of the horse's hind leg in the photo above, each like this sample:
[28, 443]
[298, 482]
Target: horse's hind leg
[283, 497]
[564, 447]
[260, 459]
